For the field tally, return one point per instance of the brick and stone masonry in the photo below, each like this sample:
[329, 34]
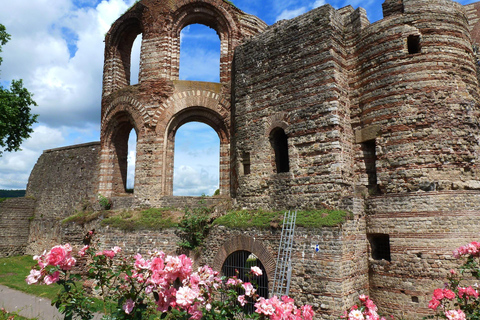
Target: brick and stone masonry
[323, 110]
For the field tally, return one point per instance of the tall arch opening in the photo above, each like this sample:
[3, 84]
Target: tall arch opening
[279, 142]
[196, 160]
[135, 60]
[131, 160]
[239, 264]
[213, 120]
[199, 54]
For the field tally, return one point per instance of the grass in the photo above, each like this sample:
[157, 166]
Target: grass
[14, 270]
[266, 219]
[149, 219]
[4, 315]
[83, 217]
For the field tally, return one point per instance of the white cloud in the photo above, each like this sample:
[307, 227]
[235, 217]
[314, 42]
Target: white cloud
[15, 167]
[289, 14]
[66, 84]
[319, 3]
[188, 181]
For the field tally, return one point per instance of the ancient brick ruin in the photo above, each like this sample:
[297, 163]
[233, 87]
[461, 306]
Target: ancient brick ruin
[326, 109]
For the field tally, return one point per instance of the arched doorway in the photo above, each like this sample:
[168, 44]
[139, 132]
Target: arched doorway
[239, 264]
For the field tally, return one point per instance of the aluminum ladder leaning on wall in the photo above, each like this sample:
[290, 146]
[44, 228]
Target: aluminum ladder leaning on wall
[283, 269]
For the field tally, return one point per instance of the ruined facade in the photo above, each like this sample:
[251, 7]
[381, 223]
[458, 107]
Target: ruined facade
[324, 110]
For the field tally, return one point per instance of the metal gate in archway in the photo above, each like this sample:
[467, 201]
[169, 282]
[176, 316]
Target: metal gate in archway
[238, 264]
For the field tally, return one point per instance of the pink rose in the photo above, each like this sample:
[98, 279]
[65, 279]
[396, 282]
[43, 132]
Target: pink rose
[33, 277]
[455, 315]
[449, 294]
[51, 278]
[438, 294]
[128, 306]
[242, 300]
[56, 255]
[82, 252]
[433, 304]
[256, 271]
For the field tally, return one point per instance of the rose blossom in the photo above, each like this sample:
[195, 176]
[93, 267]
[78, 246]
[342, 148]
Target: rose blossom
[355, 315]
[433, 304]
[256, 271]
[449, 294]
[186, 296]
[33, 277]
[455, 315]
[51, 278]
[128, 306]
[56, 255]
[249, 289]
[242, 300]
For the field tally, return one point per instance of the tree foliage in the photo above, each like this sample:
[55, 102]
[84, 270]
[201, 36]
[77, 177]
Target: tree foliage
[16, 119]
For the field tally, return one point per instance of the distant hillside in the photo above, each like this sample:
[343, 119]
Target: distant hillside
[12, 193]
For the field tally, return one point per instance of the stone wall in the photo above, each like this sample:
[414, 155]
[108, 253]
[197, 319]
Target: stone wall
[15, 217]
[424, 228]
[292, 77]
[328, 266]
[60, 182]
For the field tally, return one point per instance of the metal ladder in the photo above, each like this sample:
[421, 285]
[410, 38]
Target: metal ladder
[283, 269]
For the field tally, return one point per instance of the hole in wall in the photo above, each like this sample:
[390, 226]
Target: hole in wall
[380, 246]
[413, 44]
[415, 299]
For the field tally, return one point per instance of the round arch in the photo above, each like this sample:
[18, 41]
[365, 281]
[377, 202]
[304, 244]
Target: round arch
[116, 127]
[210, 118]
[211, 16]
[118, 48]
[245, 243]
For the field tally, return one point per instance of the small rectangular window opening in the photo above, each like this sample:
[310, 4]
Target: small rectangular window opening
[370, 159]
[246, 163]
[413, 43]
[380, 246]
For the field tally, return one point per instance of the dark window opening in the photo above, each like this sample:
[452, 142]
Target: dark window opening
[246, 163]
[413, 43]
[415, 299]
[380, 246]
[370, 159]
[238, 264]
[279, 142]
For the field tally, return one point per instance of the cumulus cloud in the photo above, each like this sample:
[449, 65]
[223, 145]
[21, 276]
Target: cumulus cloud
[188, 181]
[58, 51]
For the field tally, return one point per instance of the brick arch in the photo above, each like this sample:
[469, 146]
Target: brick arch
[243, 242]
[117, 124]
[276, 121]
[171, 122]
[214, 16]
[118, 49]
[134, 106]
[185, 99]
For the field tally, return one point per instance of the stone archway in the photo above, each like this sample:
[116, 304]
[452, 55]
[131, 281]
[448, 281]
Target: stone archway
[210, 118]
[245, 243]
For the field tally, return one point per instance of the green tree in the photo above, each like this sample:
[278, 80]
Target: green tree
[16, 120]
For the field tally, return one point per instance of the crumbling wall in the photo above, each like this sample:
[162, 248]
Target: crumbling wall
[60, 181]
[15, 217]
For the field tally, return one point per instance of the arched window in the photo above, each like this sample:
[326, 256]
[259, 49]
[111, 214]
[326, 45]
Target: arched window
[199, 54]
[238, 264]
[131, 159]
[279, 142]
[135, 60]
[196, 160]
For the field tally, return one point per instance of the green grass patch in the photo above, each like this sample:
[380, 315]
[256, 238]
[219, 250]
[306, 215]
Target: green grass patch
[83, 217]
[149, 219]
[4, 315]
[267, 219]
[14, 270]
[2, 199]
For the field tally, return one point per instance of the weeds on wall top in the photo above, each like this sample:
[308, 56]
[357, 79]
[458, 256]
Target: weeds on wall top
[194, 226]
[262, 219]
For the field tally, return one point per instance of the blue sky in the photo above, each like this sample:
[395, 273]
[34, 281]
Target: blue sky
[57, 49]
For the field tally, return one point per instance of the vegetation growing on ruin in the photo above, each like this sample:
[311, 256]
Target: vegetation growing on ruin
[83, 217]
[148, 219]
[263, 219]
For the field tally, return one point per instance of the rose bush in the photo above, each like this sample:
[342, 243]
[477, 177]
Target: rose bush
[155, 286]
